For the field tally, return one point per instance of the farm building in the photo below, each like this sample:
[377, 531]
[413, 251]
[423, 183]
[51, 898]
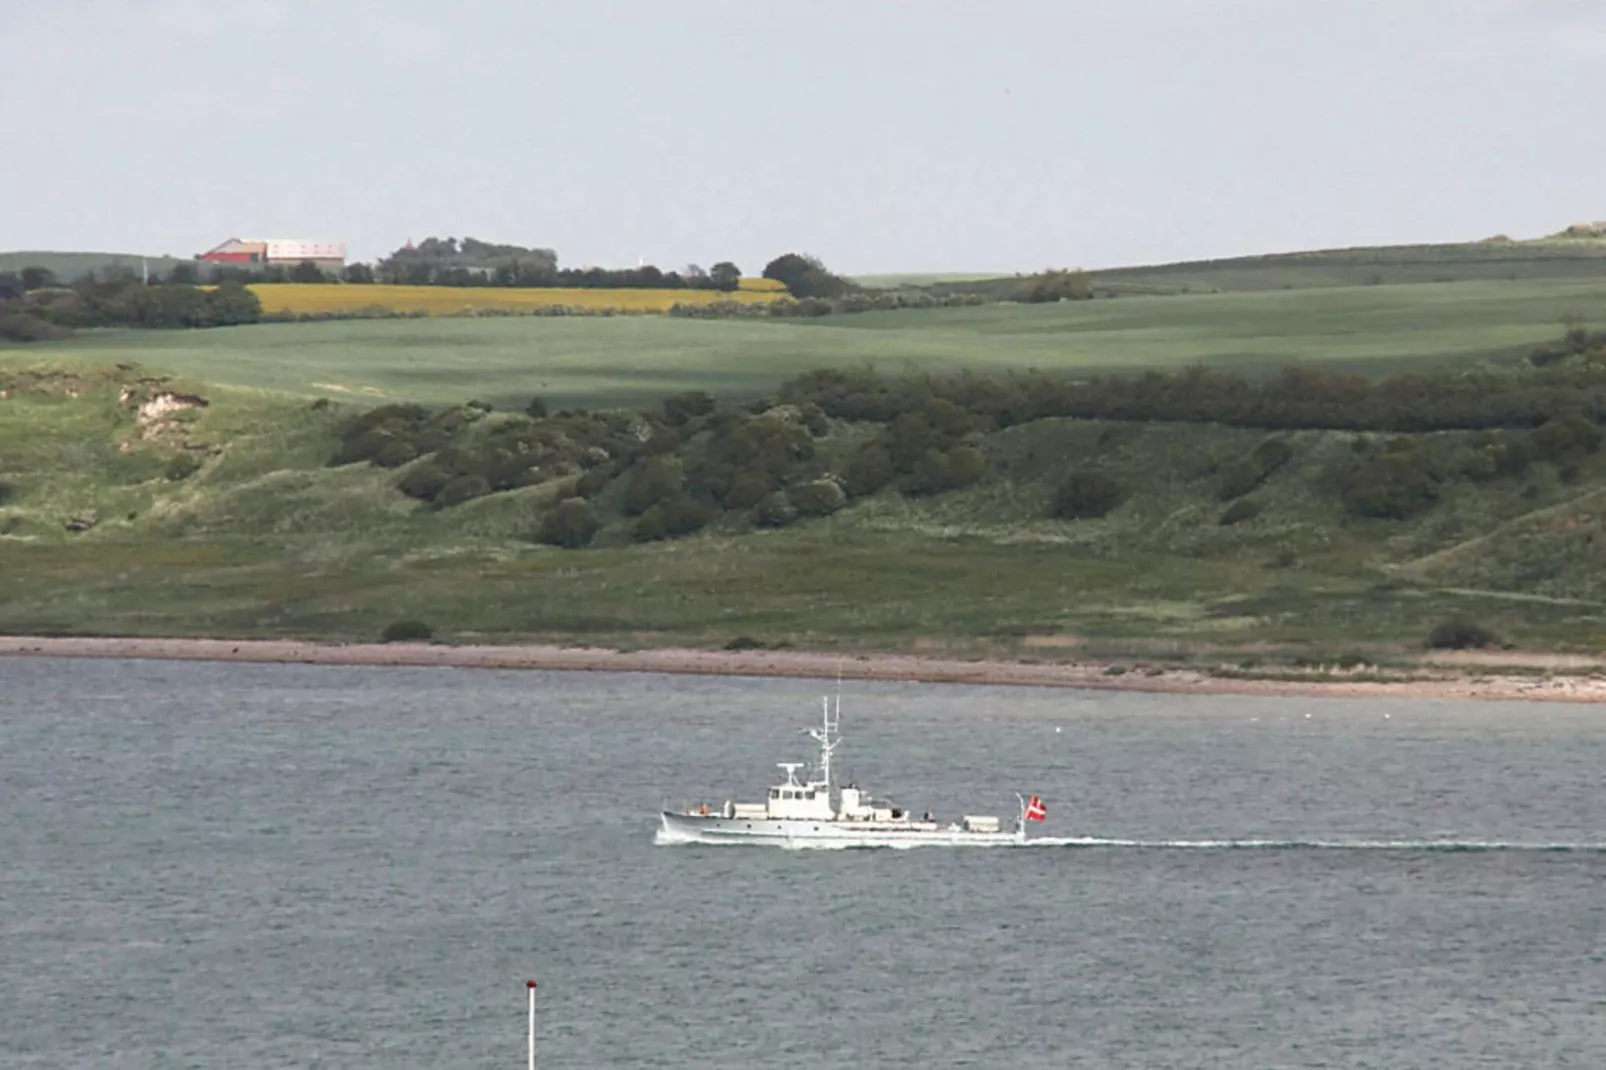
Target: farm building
[260, 252]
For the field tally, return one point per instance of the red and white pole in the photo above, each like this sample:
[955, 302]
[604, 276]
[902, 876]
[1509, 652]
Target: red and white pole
[531, 986]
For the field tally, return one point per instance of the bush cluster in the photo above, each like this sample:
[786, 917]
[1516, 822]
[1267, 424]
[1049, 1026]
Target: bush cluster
[1296, 398]
[808, 307]
[570, 524]
[123, 301]
[1460, 634]
[1086, 495]
[1396, 483]
[1243, 474]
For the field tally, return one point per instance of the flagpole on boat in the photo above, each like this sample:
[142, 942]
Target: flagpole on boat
[531, 986]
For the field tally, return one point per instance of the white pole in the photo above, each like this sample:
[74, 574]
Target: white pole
[531, 986]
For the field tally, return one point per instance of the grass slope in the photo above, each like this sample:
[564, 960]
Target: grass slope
[70, 266]
[1390, 265]
[265, 540]
[637, 360]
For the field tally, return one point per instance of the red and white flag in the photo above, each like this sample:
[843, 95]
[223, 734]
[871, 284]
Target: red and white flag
[1035, 810]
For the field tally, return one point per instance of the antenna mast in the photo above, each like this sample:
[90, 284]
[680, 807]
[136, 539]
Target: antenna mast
[824, 735]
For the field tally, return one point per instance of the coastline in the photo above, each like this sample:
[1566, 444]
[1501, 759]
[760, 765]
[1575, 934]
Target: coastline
[1450, 678]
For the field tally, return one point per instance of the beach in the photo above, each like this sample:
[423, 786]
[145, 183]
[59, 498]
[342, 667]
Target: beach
[1463, 675]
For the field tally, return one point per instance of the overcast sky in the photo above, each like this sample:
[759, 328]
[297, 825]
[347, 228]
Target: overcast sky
[921, 135]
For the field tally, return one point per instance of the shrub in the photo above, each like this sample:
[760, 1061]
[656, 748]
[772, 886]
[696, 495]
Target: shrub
[7, 492]
[775, 511]
[461, 489]
[746, 642]
[1240, 510]
[26, 327]
[814, 420]
[1056, 286]
[406, 631]
[938, 470]
[424, 482]
[570, 525]
[670, 519]
[747, 489]
[869, 469]
[179, 467]
[1567, 438]
[820, 497]
[1460, 634]
[684, 407]
[1392, 485]
[536, 409]
[395, 453]
[1272, 454]
[1243, 474]
[594, 481]
[1236, 478]
[654, 480]
[1086, 496]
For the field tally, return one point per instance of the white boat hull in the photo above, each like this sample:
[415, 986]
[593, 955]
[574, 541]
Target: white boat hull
[783, 832]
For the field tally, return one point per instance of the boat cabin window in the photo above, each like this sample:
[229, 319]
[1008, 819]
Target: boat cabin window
[808, 795]
[775, 793]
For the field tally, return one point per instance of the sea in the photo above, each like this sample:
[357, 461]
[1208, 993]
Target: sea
[226, 865]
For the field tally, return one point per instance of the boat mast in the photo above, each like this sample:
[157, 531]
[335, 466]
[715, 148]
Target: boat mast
[824, 735]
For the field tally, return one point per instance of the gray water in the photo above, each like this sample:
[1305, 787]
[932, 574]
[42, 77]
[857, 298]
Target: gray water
[226, 865]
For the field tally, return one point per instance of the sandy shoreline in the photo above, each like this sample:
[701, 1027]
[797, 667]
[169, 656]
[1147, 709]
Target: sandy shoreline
[1445, 681]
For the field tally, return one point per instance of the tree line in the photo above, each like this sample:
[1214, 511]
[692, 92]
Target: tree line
[1295, 398]
[41, 312]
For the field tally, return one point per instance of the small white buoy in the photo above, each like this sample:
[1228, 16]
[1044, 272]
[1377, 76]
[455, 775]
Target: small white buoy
[1386, 716]
[531, 986]
[1056, 730]
[1307, 717]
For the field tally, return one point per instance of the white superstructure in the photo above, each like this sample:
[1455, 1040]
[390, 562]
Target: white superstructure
[800, 813]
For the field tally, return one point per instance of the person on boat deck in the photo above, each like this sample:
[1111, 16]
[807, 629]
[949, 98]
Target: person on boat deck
[929, 817]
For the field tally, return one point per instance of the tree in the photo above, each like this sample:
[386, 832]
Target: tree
[358, 273]
[231, 304]
[725, 276]
[37, 278]
[1056, 286]
[307, 271]
[1085, 496]
[805, 276]
[571, 525]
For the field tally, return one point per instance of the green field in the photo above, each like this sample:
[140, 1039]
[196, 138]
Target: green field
[264, 538]
[1555, 259]
[636, 360]
[70, 266]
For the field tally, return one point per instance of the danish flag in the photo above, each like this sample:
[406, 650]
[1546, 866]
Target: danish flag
[1035, 810]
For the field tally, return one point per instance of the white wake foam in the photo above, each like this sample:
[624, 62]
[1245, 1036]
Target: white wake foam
[1315, 844]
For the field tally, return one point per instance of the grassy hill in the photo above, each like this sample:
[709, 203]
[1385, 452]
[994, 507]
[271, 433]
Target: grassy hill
[70, 266]
[1392, 265]
[636, 360]
[228, 520]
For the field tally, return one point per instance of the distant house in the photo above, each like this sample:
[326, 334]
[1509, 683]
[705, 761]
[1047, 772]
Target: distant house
[263, 252]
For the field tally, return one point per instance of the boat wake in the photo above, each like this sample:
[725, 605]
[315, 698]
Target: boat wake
[1319, 844]
[1469, 846]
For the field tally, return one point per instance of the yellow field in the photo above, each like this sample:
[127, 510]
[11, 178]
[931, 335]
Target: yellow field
[767, 286]
[334, 298]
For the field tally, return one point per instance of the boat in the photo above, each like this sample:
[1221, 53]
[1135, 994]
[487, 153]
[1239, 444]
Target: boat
[814, 812]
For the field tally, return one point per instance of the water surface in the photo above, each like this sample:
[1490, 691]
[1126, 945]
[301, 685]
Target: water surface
[307, 866]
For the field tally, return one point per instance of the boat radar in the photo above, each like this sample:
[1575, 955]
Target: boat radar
[814, 812]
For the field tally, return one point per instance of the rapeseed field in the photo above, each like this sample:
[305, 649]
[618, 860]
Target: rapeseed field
[334, 299]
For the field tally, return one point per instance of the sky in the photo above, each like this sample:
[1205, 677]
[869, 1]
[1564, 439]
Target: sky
[878, 135]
